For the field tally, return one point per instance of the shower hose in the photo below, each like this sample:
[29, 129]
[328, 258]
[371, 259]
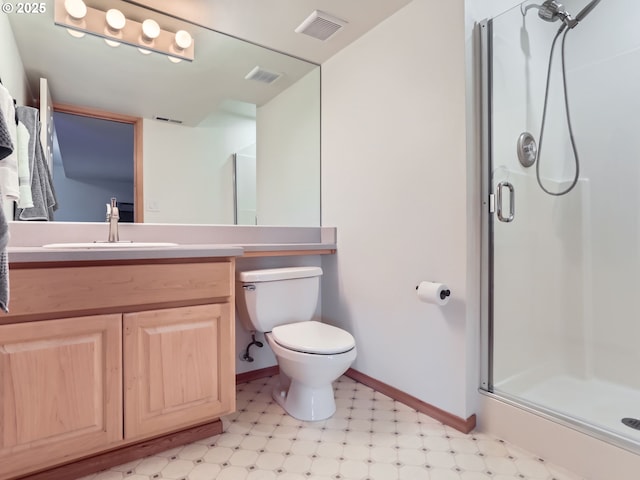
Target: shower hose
[566, 106]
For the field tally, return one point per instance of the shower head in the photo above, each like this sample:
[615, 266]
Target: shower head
[551, 10]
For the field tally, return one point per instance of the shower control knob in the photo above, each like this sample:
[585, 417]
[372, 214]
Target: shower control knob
[527, 149]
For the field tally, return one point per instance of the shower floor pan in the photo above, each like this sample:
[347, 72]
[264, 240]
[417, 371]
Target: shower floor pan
[595, 402]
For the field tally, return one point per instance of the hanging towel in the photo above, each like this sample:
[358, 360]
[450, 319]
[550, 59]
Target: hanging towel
[24, 173]
[6, 145]
[4, 263]
[42, 193]
[9, 185]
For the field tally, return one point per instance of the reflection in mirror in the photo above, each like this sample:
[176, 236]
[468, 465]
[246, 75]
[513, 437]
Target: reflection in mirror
[201, 121]
[110, 145]
[244, 182]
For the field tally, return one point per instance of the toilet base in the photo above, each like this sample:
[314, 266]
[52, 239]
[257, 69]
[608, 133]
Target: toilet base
[305, 386]
[304, 402]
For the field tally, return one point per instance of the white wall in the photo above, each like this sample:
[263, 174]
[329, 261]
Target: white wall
[11, 68]
[182, 184]
[603, 79]
[288, 156]
[394, 183]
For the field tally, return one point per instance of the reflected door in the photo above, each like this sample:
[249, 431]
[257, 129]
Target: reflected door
[245, 189]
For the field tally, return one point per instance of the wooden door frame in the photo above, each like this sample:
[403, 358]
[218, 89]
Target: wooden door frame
[138, 212]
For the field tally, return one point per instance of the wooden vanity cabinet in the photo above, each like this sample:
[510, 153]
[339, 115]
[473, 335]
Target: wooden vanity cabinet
[177, 368]
[105, 357]
[60, 389]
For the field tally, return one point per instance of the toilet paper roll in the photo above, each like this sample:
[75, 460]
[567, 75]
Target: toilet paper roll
[432, 292]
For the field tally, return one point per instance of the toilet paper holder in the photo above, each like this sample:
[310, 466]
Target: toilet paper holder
[443, 294]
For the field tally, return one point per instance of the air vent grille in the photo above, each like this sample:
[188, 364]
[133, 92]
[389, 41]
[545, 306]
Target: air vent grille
[168, 120]
[320, 25]
[261, 75]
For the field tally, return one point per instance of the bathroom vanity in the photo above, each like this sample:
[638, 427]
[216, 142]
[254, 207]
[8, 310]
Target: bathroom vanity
[104, 354]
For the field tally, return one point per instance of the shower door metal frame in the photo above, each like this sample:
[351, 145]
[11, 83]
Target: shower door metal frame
[484, 36]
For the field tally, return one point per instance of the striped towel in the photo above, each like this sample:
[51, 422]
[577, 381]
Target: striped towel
[9, 165]
[24, 171]
[42, 193]
[4, 263]
[6, 144]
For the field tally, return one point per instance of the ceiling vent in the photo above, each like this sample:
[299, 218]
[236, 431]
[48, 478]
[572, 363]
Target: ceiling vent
[261, 75]
[320, 25]
[168, 120]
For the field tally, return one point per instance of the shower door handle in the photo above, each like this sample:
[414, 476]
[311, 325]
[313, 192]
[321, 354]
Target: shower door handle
[500, 188]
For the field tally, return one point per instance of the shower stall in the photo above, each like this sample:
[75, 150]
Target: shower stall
[561, 213]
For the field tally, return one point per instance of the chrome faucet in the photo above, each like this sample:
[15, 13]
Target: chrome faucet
[113, 215]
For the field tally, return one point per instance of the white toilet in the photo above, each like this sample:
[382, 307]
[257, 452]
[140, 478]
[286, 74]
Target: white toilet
[280, 302]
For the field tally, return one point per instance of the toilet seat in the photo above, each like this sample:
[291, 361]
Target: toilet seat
[313, 337]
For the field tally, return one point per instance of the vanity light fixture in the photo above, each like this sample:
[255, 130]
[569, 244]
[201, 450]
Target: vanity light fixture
[115, 29]
[115, 23]
[182, 40]
[75, 11]
[75, 33]
[150, 31]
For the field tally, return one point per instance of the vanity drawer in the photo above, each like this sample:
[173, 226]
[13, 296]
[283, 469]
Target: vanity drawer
[37, 291]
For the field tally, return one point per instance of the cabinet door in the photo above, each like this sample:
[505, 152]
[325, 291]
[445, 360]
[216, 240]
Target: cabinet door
[179, 368]
[60, 390]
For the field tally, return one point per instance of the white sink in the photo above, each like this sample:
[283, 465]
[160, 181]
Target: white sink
[110, 245]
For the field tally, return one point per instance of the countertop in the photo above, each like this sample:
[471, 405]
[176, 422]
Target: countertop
[41, 254]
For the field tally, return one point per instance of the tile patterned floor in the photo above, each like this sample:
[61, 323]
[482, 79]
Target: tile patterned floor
[371, 437]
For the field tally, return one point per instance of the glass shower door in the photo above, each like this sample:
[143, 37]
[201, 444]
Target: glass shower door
[563, 271]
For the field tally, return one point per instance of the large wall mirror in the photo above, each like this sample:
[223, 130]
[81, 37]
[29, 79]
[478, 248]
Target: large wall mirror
[216, 145]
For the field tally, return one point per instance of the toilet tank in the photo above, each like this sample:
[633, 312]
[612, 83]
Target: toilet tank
[276, 296]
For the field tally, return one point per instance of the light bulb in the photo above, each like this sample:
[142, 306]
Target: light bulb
[76, 9]
[144, 51]
[183, 40]
[111, 43]
[150, 29]
[174, 59]
[75, 33]
[115, 19]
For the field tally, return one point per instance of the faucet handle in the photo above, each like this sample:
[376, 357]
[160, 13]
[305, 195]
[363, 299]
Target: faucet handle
[113, 215]
[115, 211]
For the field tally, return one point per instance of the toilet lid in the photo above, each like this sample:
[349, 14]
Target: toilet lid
[313, 337]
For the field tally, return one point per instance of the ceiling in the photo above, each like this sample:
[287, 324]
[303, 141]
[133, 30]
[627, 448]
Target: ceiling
[86, 72]
[206, 92]
[271, 23]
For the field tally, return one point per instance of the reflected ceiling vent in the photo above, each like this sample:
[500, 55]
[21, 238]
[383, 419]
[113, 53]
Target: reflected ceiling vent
[168, 120]
[320, 25]
[261, 75]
